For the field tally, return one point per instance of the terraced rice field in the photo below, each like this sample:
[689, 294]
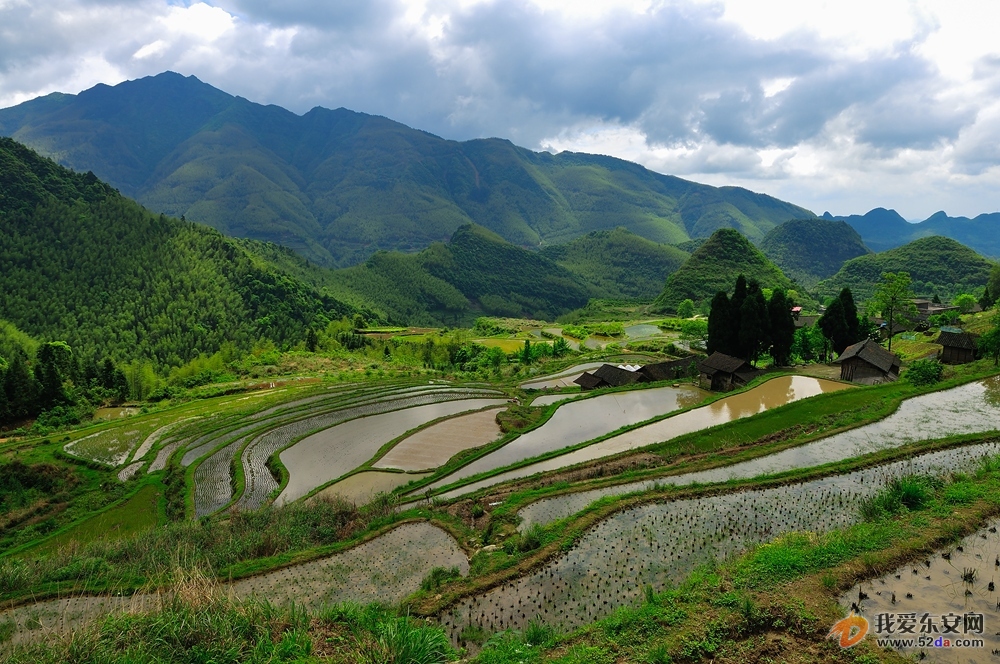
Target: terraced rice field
[562, 379]
[958, 580]
[662, 543]
[360, 488]
[583, 420]
[114, 446]
[772, 394]
[385, 569]
[970, 408]
[433, 446]
[333, 452]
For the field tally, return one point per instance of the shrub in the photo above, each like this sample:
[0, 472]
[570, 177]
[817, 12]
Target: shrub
[909, 493]
[924, 372]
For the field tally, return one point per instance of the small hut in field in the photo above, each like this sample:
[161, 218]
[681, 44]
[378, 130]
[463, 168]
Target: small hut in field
[957, 347]
[608, 375]
[868, 363]
[721, 372]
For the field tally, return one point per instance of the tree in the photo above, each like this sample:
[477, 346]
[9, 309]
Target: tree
[894, 300]
[720, 327]
[964, 302]
[850, 317]
[834, 326]
[526, 352]
[685, 309]
[560, 347]
[754, 325]
[989, 343]
[782, 327]
[993, 284]
[53, 367]
[311, 340]
[21, 389]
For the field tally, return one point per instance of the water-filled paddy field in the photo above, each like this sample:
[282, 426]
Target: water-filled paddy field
[662, 543]
[360, 488]
[772, 394]
[969, 408]
[958, 580]
[328, 454]
[433, 446]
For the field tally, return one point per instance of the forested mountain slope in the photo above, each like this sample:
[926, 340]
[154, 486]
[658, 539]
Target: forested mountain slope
[618, 264]
[81, 263]
[714, 267]
[337, 186]
[809, 250]
[936, 264]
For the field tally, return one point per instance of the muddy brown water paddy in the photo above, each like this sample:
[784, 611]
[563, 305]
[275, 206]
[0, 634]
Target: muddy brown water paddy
[360, 488]
[934, 586]
[660, 544]
[325, 456]
[583, 420]
[969, 408]
[433, 446]
[772, 394]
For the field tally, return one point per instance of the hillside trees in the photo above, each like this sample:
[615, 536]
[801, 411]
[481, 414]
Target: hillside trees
[840, 323]
[893, 299]
[749, 325]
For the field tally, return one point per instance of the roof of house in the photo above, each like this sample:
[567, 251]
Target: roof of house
[957, 340]
[588, 381]
[721, 362]
[870, 352]
[616, 376]
[667, 370]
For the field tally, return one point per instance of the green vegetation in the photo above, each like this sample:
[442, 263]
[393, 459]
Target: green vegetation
[122, 283]
[809, 250]
[893, 300]
[337, 186]
[748, 325]
[713, 267]
[618, 264]
[924, 372]
[937, 265]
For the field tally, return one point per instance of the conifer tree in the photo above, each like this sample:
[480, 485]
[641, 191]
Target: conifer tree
[782, 327]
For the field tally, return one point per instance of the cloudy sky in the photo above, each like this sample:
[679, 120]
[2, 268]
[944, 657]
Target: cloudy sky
[840, 106]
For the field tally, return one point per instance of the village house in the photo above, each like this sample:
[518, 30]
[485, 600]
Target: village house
[867, 362]
[722, 373]
[957, 347]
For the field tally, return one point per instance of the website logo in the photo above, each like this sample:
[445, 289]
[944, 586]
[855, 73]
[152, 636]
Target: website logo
[849, 630]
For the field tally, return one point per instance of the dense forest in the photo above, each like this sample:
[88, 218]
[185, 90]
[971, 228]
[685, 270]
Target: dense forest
[937, 265]
[714, 266]
[82, 264]
[618, 264]
[809, 250]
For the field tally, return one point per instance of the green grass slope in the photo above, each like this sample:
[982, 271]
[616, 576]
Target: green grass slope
[809, 250]
[81, 263]
[337, 186]
[714, 266]
[937, 265]
[618, 263]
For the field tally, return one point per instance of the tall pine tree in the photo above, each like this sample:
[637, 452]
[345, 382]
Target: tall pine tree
[754, 324]
[782, 327]
[720, 326]
[850, 316]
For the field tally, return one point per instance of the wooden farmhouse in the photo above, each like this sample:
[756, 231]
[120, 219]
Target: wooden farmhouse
[609, 375]
[722, 373]
[957, 347]
[867, 362]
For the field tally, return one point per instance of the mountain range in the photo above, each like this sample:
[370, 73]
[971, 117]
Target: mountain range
[883, 229]
[337, 186]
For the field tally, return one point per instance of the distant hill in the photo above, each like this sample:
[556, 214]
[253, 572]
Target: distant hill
[883, 229]
[337, 186]
[809, 250]
[714, 266]
[476, 273]
[937, 265]
[81, 263]
[618, 264]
